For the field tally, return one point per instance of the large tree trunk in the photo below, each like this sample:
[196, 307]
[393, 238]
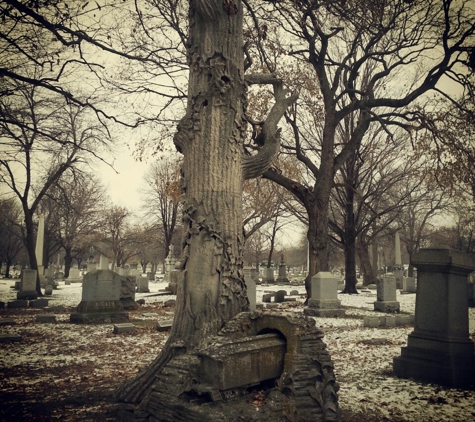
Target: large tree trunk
[30, 244]
[211, 288]
[68, 260]
[367, 269]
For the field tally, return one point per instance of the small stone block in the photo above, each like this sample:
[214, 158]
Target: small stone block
[402, 320]
[412, 319]
[164, 325]
[38, 303]
[294, 293]
[272, 305]
[45, 318]
[280, 296]
[7, 321]
[17, 285]
[259, 306]
[141, 301]
[170, 302]
[371, 322]
[267, 298]
[48, 290]
[124, 328]
[149, 315]
[9, 338]
[387, 321]
[18, 304]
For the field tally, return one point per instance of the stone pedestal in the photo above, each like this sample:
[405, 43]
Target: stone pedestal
[324, 300]
[386, 295]
[439, 350]
[101, 293]
[28, 285]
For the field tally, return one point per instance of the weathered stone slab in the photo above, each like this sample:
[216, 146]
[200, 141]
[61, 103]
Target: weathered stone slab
[101, 292]
[387, 321]
[9, 338]
[7, 321]
[164, 325]
[18, 304]
[46, 318]
[38, 303]
[49, 290]
[142, 285]
[386, 295]
[403, 320]
[124, 328]
[294, 293]
[371, 321]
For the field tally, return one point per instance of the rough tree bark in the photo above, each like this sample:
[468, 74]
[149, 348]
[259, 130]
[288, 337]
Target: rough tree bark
[211, 290]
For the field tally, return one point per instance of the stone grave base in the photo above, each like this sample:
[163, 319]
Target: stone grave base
[276, 355]
[324, 308]
[454, 368]
[99, 312]
[387, 306]
[27, 295]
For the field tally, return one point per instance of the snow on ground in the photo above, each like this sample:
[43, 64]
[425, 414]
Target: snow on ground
[363, 371]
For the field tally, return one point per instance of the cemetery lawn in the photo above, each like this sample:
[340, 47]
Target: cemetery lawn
[69, 372]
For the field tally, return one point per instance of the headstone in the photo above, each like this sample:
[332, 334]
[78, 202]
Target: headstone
[124, 328]
[269, 276]
[440, 350]
[17, 285]
[409, 285]
[9, 338]
[403, 320]
[38, 303]
[164, 325]
[280, 296]
[127, 292]
[267, 298]
[101, 292]
[49, 277]
[169, 303]
[324, 300]
[46, 318]
[59, 275]
[170, 262]
[371, 321]
[6, 321]
[28, 285]
[142, 285]
[251, 292]
[48, 290]
[386, 295]
[20, 303]
[74, 274]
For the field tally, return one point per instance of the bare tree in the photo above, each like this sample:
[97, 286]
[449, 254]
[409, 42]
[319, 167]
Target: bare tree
[356, 52]
[11, 238]
[75, 202]
[161, 200]
[42, 137]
